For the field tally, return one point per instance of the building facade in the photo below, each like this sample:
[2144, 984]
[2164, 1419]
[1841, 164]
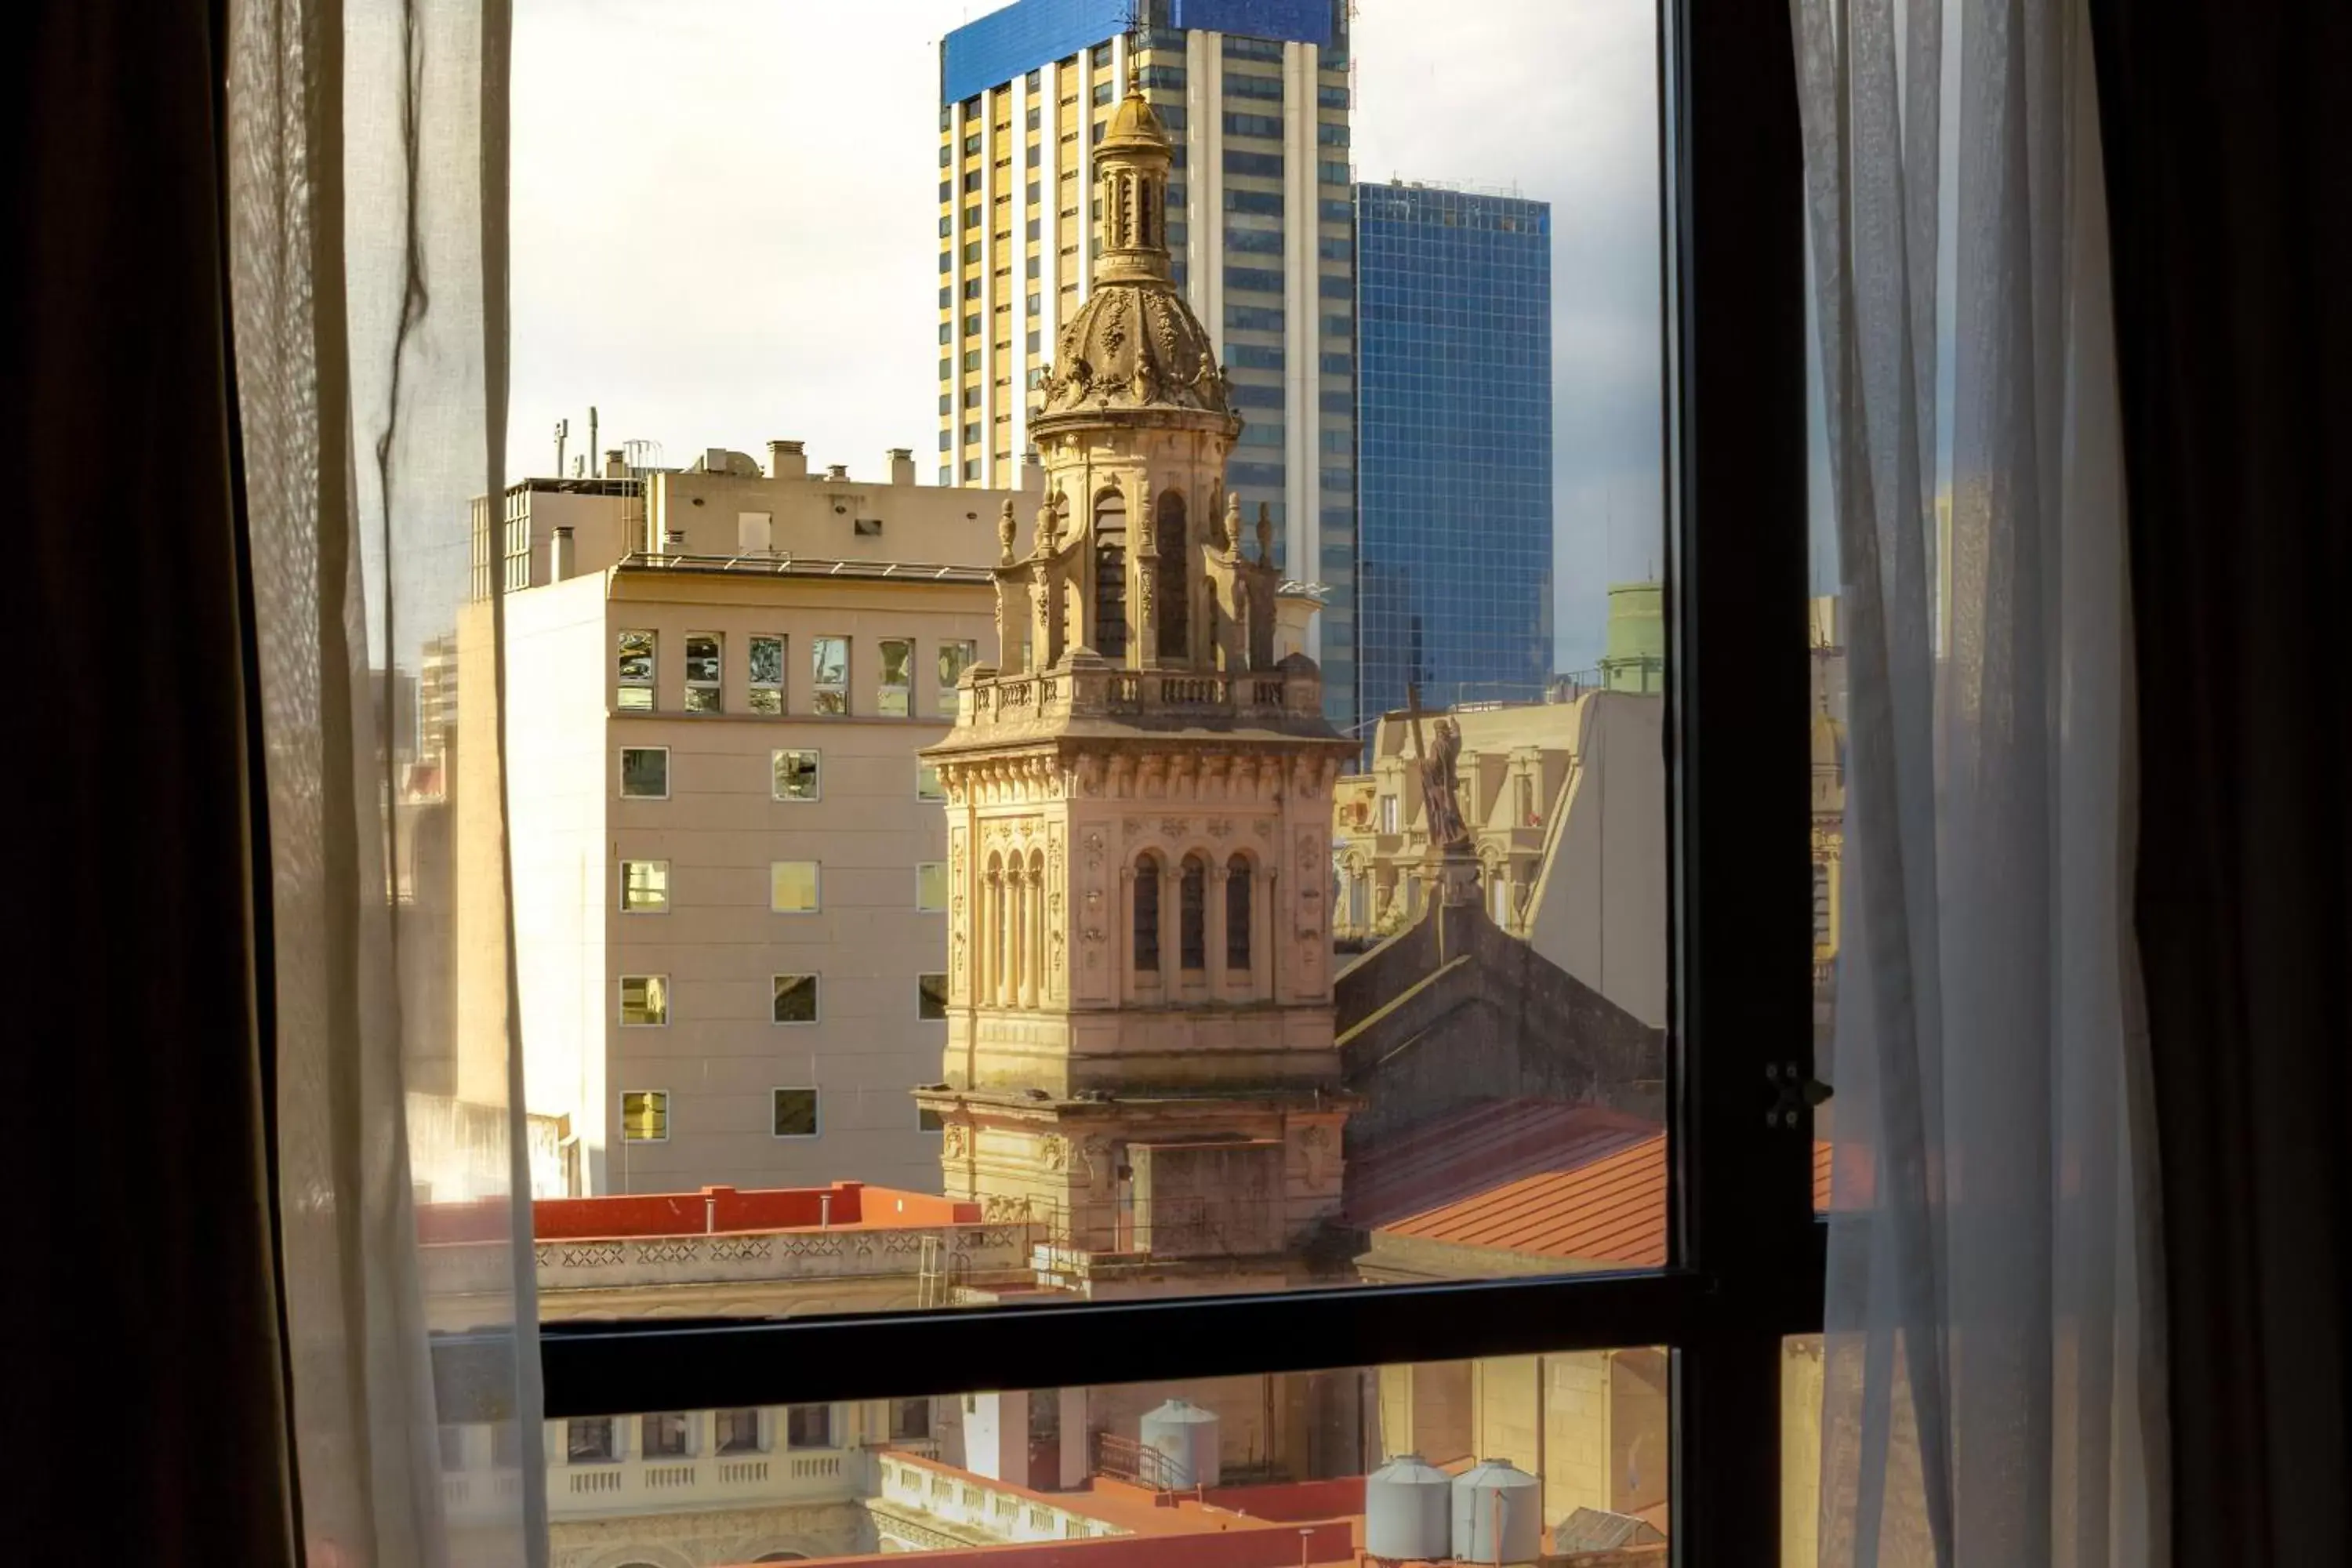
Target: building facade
[1253, 95]
[1453, 440]
[728, 901]
[1139, 1050]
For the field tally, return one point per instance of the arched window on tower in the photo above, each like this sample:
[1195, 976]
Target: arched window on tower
[1147, 914]
[1237, 914]
[1175, 560]
[1192, 914]
[1110, 575]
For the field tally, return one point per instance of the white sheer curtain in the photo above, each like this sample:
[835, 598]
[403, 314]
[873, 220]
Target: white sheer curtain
[1992, 1384]
[367, 258]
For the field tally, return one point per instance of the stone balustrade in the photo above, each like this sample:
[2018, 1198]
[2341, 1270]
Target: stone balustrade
[1081, 688]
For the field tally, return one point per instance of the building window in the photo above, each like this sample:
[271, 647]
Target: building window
[644, 887]
[703, 665]
[792, 887]
[635, 672]
[910, 1420]
[929, 1120]
[1237, 914]
[1175, 588]
[930, 997]
[1388, 813]
[829, 675]
[589, 1440]
[955, 657]
[795, 999]
[932, 887]
[1192, 914]
[972, 467]
[971, 360]
[645, 772]
[808, 1427]
[644, 1000]
[736, 1431]
[796, 776]
[662, 1436]
[766, 670]
[927, 781]
[796, 1118]
[1110, 575]
[893, 698]
[645, 1115]
[970, 252]
[1824, 933]
[1147, 914]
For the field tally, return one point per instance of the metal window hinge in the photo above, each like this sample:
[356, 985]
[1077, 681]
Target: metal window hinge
[1792, 1093]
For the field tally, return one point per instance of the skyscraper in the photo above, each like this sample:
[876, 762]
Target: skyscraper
[1453, 433]
[1255, 96]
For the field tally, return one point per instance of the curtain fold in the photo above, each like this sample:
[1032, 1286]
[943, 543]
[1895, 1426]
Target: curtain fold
[1991, 1395]
[366, 199]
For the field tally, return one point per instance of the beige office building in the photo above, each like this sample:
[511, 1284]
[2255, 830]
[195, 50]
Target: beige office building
[729, 901]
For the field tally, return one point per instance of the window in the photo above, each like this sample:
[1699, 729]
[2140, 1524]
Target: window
[644, 1000]
[795, 1111]
[794, 775]
[954, 658]
[645, 1115]
[765, 675]
[736, 1431]
[702, 666]
[829, 675]
[893, 698]
[1110, 575]
[644, 772]
[1192, 914]
[792, 887]
[929, 1120]
[644, 887]
[932, 887]
[910, 1419]
[1238, 890]
[1102, 92]
[662, 1436]
[795, 999]
[589, 1440]
[927, 783]
[634, 673]
[1146, 915]
[930, 997]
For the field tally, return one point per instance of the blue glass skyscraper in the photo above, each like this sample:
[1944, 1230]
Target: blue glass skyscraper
[1453, 446]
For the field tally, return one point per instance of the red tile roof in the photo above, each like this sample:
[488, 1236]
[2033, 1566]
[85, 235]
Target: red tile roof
[1545, 1180]
[843, 1206]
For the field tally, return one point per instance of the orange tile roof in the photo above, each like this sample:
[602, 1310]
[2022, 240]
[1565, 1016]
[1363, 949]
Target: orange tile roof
[1473, 1150]
[1596, 1195]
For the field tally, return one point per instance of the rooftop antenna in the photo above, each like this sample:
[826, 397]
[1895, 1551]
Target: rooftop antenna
[563, 429]
[595, 453]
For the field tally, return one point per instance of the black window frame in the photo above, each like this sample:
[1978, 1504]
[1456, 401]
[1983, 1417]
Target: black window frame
[1746, 1250]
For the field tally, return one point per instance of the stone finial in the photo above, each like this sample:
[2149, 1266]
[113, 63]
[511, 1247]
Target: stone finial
[1049, 527]
[1265, 535]
[1005, 529]
[1233, 525]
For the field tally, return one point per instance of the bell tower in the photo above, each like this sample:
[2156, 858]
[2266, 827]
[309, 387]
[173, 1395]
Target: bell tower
[1140, 1054]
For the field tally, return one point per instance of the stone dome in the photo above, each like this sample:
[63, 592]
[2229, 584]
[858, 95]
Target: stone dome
[1133, 346]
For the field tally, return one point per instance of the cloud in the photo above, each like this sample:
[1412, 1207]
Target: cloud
[721, 234]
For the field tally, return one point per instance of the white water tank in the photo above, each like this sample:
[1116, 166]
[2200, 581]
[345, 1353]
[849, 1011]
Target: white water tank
[1185, 1437]
[1408, 1512]
[1497, 1514]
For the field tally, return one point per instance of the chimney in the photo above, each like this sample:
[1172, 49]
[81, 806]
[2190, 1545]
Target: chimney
[838, 472]
[560, 552]
[902, 465]
[617, 467]
[786, 460]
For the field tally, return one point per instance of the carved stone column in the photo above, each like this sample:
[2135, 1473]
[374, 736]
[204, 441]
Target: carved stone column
[1032, 932]
[1264, 933]
[1123, 949]
[990, 940]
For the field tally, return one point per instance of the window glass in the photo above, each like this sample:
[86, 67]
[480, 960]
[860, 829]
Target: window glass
[795, 999]
[931, 996]
[644, 887]
[765, 674]
[702, 672]
[588, 1440]
[927, 783]
[634, 673]
[793, 774]
[644, 772]
[829, 674]
[645, 1115]
[644, 1000]
[931, 886]
[955, 656]
[735, 1431]
[792, 887]
[795, 1113]
[893, 699]
[662, 1436]
[809, 1426]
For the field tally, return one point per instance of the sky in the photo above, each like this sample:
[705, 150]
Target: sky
[724, 229]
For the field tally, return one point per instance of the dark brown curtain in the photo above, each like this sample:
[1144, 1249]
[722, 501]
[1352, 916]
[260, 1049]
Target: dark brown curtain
[147, 1418]
[2228, 132]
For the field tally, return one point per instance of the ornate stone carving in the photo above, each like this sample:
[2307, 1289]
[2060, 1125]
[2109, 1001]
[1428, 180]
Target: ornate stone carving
[1054, 1152]
[1220, 826]
[957, 1141]
[1174, 828]
[1100, 1168]
[996, 1208]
